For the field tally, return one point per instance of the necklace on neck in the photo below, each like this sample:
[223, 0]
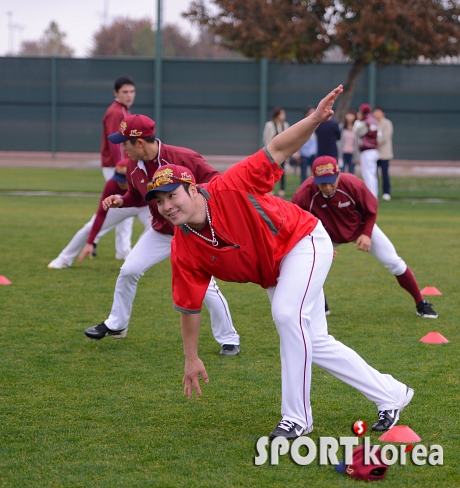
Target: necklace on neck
[213, 241]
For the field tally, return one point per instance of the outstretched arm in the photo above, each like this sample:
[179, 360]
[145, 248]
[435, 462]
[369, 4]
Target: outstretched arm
[291, 140]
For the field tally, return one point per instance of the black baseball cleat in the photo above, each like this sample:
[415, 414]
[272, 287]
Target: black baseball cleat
[289, 430]
[94, 253]
[389, 418]
[326, 307]
[424, 309]
[230, 350]
[100, 331]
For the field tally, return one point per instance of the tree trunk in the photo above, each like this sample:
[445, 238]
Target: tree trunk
[348, 90]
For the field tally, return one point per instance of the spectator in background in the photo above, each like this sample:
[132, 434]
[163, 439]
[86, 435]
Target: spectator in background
[366, 127]
[328, 133]
[385, 149]
[124, 90]
[348, 145]
[273, 127]
[308, 152]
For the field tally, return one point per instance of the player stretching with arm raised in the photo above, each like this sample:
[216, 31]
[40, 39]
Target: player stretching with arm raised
[232, 229]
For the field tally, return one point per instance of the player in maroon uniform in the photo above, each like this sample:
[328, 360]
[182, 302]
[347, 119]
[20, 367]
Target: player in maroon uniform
[348, 211]
[124, 90]
[137, 133]
[103, 221]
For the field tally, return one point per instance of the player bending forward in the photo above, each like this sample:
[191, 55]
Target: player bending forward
[348, 211]
[102, 221]
[231, 229]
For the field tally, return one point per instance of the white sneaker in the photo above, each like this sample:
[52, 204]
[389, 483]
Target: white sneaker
[386, 196]
[58, 263]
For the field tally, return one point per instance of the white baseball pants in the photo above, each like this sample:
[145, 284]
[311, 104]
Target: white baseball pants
[383, 250]
[368, 160]
[152, 248]
[298, 311]
[114, 217]
[123, 230]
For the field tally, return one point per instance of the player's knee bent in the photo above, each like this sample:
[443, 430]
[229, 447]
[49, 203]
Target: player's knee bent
[131, 270]
[397, 268]
[284, 315]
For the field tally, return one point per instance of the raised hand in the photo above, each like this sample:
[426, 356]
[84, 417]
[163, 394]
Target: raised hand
[324, 110]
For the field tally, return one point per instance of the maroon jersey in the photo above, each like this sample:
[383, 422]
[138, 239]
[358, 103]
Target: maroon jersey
[112, 153]
[110, 188]
[347, 214]
[139, 173]
[369, 140]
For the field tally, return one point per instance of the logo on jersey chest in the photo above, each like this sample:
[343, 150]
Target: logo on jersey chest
[344, 204]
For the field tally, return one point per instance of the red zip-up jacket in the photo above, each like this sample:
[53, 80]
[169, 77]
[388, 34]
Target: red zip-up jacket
[259, 230]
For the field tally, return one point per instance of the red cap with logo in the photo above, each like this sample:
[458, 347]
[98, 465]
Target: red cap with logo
[133, 126]
[168, 178]
[361, 471]
[325, 169]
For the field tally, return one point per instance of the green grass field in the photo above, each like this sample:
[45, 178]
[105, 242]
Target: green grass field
[81, 413]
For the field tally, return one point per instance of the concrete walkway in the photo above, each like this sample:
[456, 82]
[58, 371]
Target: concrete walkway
[399, 167]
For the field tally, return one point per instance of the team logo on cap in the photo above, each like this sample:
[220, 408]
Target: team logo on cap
[165, 176]
[135, 133]
[325, 169]
[122, 127]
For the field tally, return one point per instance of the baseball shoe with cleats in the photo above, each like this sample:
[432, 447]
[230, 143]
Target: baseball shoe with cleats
[94, 253]
[230, 350]
[424, 309]
[100, 331]
[389, 418]
[58, 263]
[326, 308]
[386, 197]
[289, 430]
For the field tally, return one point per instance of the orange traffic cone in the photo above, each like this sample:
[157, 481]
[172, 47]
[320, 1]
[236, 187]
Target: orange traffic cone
[434, 338]
[4, 281]
[430, 290]
[400, 433]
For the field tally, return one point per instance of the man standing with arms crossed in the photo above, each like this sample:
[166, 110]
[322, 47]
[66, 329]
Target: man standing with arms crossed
[137, 134]
[124, 90]
[234, 230]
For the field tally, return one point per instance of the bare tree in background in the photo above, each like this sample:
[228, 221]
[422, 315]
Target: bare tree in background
[50, 44]
[381, 31]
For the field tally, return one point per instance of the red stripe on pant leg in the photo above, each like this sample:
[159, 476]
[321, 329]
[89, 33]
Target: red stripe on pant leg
[301, 329]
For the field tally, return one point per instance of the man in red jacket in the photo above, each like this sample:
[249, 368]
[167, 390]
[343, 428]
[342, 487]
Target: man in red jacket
[233, 229]
[124, 90]
[348, 211]
[147, 153]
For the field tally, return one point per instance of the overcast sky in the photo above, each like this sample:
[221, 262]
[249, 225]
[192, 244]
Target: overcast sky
[79, 19]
